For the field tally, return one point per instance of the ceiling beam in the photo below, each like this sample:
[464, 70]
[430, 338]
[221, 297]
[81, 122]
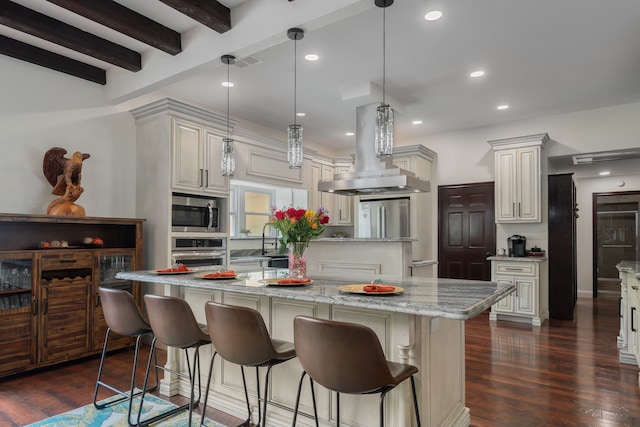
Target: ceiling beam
[126, 21]
[35, 55]
[29, 21]
[211, 13]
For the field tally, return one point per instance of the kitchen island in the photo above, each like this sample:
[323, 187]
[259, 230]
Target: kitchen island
[422, 325]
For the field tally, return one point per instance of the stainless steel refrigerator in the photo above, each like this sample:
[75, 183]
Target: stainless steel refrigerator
[383, 218]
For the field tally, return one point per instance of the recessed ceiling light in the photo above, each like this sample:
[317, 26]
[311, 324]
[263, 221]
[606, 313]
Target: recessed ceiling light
[477, 73]
[417, 122]
[227, 84]
[301, 114]
[311, 57]
[349, 133]
[433, 15]
[604, 173]
[502, 107]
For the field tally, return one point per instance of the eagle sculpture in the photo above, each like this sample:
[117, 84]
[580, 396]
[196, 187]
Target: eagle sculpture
[64, 175]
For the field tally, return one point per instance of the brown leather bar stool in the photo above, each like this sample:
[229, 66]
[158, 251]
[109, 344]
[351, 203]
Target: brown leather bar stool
[240, 336]
[174, 325]
[346, 358]
[123, 317]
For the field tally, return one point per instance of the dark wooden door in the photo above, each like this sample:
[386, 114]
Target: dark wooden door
[466, 231]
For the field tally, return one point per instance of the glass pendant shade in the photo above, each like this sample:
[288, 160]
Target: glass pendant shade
[384, 131]
[294, 150]
[228, 162]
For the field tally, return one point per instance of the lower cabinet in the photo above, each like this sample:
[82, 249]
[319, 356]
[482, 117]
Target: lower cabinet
[49, 304]
[527, 303]
[629, 338]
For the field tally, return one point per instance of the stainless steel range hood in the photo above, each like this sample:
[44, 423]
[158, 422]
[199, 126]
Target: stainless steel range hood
[370, 175]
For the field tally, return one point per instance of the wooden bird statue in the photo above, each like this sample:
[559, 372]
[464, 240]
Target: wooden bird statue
[64, 175]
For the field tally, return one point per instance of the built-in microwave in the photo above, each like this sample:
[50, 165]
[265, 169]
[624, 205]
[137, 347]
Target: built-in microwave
[194, 213]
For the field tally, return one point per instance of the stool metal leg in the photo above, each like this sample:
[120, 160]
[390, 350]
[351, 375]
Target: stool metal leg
[206, 393]
[415, 400]
[337, 409]
[313, 398]
[295, 410]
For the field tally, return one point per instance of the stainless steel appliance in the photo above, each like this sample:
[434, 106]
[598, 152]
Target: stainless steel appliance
[199, 253]
[194, 213]
[369, 174]
[517, 246]
[383, 218]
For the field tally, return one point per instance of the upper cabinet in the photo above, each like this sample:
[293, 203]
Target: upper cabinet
[196, 159]
[518, 174]
[321, 172]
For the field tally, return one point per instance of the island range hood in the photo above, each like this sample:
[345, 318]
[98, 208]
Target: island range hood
[369, 174]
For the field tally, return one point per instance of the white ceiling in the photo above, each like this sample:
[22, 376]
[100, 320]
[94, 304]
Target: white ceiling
[541, 57]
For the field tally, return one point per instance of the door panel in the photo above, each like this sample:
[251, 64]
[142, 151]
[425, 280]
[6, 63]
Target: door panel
[466, 231]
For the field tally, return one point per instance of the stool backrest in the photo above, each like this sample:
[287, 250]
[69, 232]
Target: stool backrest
[172, 321]
[121, 313]
[239, 334]
[343, 357]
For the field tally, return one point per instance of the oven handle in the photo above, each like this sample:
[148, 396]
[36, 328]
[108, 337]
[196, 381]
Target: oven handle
[197, 255]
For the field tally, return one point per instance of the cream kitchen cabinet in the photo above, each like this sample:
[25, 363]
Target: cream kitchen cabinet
[342, 205]
[528, 303]
[321, 172]
[518, 172]
[197, 153]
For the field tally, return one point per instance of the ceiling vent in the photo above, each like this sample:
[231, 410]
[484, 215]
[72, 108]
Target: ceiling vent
[247, 61]
[606, 156]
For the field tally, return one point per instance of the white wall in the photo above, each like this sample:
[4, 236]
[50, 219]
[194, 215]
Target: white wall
[41, 109]
[466, 157]
[585, 188]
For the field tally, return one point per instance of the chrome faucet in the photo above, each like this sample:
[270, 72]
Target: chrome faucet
[275, 243]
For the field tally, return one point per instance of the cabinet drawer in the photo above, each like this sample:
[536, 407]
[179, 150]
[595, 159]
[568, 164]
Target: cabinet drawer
[516, 268]
[63, 260]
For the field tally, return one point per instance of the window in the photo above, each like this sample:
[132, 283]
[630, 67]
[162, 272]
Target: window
[251, 204]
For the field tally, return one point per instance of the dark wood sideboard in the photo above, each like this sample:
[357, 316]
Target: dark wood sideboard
[49, 304]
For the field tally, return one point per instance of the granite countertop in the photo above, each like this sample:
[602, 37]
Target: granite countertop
[517, 259]
[629, 267]
[447, 298]
[366, 240]
[247, 259]
[422, 262]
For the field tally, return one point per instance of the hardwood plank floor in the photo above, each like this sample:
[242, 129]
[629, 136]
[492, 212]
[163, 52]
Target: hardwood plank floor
[565, 373]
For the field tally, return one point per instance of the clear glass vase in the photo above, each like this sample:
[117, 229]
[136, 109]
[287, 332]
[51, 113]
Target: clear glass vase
[298, 260]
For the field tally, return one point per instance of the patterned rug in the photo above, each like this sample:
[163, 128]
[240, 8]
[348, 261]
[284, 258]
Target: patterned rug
[116, 415]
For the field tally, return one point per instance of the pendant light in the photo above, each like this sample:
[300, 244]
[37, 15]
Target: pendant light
[228, 162]
[294, 134]
[384, 113]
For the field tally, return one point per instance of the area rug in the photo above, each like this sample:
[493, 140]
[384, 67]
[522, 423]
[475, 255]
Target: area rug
[116, 415]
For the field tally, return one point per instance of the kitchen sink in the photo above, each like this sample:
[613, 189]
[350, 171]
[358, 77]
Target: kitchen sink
[279, 261]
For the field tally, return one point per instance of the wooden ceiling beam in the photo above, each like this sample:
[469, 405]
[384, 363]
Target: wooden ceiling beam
[211, 13]
[35, 55]
[126, 21]
[29, 21]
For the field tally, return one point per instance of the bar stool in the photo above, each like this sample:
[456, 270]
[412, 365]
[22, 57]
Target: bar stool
[346, 358]
[123, 317]
[174, 325]
[240, 336]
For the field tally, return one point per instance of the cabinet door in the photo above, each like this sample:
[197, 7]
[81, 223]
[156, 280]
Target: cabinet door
[188, 156]
[213, 179]
[528, 181]
[65, 318]
[343, 205]
[314, 194]
[505, 305]
[109, 263]
[634, 305]
[326, 199]
[505, 171]
[17, 321]
[525, 296]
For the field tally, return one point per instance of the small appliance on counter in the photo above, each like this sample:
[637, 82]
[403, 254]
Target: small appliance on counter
[517, 246]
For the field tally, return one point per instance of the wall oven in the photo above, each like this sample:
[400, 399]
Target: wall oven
[194, 213]
[199, 253]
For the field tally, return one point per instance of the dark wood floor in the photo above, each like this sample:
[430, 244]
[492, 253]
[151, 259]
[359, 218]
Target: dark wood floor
[565, 373]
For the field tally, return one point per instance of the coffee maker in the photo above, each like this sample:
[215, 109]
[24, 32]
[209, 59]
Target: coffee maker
[517, 246]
